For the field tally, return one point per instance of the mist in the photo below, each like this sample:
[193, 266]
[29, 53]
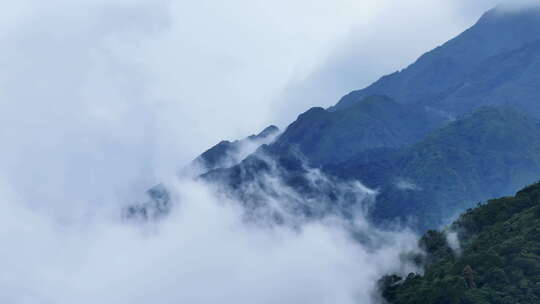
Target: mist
[103, 99]
[203, 252]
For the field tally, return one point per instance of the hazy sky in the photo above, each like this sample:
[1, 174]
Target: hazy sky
[115, 95]
[101, 99]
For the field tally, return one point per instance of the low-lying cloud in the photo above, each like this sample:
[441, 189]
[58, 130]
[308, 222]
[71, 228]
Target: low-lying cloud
[203, 252]
[101, 98]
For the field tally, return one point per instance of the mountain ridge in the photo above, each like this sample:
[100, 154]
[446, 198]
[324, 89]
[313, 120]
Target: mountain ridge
[495, 257]
[428, 158]
[374, 122]
[226, 153]
[497, 32]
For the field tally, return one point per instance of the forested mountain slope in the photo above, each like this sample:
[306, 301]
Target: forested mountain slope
[489, 153]
[486, 64]
[228, 153]
[325, 137]
[458, 126]
[497, 261]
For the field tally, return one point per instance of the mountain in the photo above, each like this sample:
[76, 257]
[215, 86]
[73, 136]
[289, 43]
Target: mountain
[156, 204]
[227, 153]
[489, 153]
[374, 122]
[458, 126]
[473, 158]
[283, 187]
[495, 62]
[157, 201]
[508, 79]
[491, 254]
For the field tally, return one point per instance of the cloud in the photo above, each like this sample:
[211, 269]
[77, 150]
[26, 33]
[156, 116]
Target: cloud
[407, 185]
[390, 37]
[202, 253]
[452, 239]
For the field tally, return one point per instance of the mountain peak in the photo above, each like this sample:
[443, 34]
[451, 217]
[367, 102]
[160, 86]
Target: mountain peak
[227, 153]
[512, 18]
[451, 77]
[270, 130]
[516, 6]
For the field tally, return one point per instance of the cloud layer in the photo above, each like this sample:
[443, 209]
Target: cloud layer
[203, 253]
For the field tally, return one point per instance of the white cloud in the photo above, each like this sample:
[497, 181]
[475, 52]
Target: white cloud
[202, 253]
[103, 97]
[392, 35]
[407, 185]
[452, 239]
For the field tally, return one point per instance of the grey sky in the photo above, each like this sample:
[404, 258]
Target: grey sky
[136, 88]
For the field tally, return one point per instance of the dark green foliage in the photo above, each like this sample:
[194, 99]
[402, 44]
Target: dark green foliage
[500, 247]
[426, 175]
[489, 153]
[325, 137]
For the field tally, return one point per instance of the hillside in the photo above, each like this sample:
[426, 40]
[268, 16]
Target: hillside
[228, 153]
[458, 126]
[375, 122]
[492, 60]
[498, 260]
[489, 153]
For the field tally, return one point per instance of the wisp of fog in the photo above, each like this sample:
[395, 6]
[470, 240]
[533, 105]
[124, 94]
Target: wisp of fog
[203, 252]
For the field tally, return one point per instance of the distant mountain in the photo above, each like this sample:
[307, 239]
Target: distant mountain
[282, 187]
[509, 79]
[226, 153]
[491, 254]
[157, 201]
[458, 126]
[489, 153]
[433, 139]
[374, 122]
[495, 62]
[157, 204]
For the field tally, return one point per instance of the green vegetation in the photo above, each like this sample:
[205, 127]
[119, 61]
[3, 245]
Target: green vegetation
[492, 152]
[377, 121]
[495, 62]
[499, 260]
[458, 126]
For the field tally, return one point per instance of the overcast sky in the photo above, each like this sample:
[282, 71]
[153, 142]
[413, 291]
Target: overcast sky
[118, 94]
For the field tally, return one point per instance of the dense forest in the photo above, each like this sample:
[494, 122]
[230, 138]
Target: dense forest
[497, 260]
